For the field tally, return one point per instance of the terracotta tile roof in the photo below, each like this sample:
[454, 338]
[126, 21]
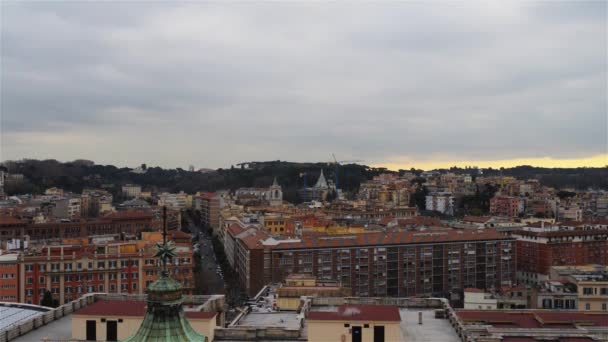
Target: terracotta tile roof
[178, 234]
[254, 241]
[518, 339]
[420, 221]
[130, 309]
[207, 195]
[371, 313]
[562, 233]
[385, 221]
[114, 308]
[392, 238]
[476, 219]
[234, 229]
[200, 315]
[11, 221]
[531, 319]
[587, 223]
[129, 214]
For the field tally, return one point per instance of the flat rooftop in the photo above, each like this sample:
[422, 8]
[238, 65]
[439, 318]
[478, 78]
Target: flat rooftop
[432, 329]
[59, 330]
[283, 319]
[12, 315]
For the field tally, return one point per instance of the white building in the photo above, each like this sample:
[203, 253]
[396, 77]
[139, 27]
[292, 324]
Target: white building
[442, 202]
[67, 208]
[176, 201]
[475, 299]
[130, 190]
[569, 213]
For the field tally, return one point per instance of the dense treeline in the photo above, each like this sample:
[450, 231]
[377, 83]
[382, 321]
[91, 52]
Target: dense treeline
[77, 175]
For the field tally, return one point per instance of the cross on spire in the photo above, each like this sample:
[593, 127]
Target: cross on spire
[166, 250]
[164, 224]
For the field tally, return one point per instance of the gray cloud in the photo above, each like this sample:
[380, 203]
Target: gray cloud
[213, 84]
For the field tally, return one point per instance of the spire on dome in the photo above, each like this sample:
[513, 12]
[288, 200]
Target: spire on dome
[321, 182]
[275, 183]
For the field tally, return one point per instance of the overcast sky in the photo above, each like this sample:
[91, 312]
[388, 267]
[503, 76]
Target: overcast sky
[213, 84]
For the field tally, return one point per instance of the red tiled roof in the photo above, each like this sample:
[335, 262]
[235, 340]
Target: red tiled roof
[471, 289]
[386, 220]
[372, 313]
[530, 319]
[177, 234]
[254, 241]
[10, 221]
[392, 238]
[200, 315]
[596, 319]
[420, 221]
[129, 214]
[114, 308]
[207, 195]
[476, 219]
[234, 229]
[130, 309]
[562, 233]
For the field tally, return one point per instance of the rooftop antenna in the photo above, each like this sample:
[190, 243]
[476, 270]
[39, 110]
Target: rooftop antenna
[164, 224]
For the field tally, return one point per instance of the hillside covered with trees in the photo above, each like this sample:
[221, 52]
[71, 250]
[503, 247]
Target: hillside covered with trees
[77, 175]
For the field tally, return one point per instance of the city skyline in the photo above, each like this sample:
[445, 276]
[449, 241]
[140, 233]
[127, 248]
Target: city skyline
[399, 85]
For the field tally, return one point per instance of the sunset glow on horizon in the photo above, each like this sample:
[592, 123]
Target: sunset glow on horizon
[594, 161]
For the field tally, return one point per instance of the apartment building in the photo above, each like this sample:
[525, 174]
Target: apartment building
[540, 247]
[505, 206]
[592, 291]
[555, 294]
[569, 213]
[209, 205]
[69, 271]
[396, 264]
[9, 278]
[177, 201]
[66, 208]
[94, 203]
[131, 190]
[442, 202]
[250, 260]
[115, 224]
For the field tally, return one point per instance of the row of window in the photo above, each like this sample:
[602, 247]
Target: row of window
[84, 277]
[81, 289]
[594, 291]
[79, 266]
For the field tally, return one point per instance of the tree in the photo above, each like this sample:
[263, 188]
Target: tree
[331, 196]
[419, 198]
[47, 299]
[565, 194]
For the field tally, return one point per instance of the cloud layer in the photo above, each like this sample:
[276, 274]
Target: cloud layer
[213, 84]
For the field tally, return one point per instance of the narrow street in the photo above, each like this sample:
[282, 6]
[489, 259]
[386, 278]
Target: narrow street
[208, 277]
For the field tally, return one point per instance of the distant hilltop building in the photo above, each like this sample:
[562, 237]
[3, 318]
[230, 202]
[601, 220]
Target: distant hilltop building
[319, 191]
[140, 169]
[273, 195]
[131, 190]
